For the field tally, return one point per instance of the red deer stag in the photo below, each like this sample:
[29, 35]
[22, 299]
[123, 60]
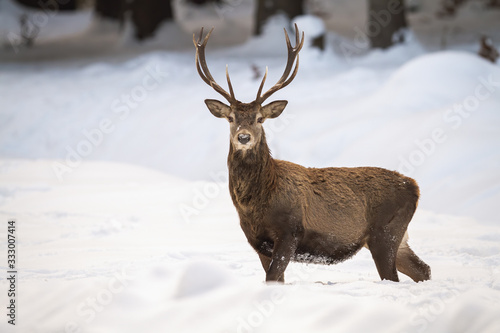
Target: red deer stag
[290, 212]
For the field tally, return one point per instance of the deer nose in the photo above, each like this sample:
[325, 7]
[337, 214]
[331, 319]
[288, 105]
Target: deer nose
[243, 138]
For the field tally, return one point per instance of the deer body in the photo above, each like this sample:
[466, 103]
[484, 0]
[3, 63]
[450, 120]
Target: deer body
[292, 213]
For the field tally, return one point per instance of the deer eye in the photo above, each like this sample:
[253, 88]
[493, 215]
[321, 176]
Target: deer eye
[260, 120]
[230, 119]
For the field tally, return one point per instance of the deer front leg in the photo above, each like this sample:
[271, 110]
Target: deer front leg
[283, 250]
[266, 262]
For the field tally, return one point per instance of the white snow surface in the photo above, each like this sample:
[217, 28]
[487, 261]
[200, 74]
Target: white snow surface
[115, 173]
[311, 25]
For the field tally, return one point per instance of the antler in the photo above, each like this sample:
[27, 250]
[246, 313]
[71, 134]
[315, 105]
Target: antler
[201, 66]
[293, 52]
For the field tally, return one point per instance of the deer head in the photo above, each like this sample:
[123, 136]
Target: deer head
[246, 119]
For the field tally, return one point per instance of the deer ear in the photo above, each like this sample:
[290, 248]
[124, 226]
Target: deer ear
[218, 109]
[273, 109]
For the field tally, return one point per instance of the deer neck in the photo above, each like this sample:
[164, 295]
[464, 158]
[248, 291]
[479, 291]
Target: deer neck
[252, 174]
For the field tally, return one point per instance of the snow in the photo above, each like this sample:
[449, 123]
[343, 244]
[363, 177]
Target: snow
[116, 175]
[312, 26]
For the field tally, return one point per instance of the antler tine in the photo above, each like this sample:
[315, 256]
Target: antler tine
[262, 85]
[286, 78]
[204, 72]
[229, 82]
[298, 38]
[196, 43]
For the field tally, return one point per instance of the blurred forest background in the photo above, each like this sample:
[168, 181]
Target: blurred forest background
[60, 28]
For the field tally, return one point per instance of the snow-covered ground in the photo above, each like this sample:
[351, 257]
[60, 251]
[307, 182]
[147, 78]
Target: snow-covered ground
[114, 171]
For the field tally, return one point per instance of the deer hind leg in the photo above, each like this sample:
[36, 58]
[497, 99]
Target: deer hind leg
[408, 263]
[383, 250]
[385, 239]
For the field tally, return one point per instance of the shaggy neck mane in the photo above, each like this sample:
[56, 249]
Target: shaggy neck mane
[252, 173]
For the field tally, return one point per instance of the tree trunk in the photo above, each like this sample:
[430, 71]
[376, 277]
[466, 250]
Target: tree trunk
[113, 9]
[386, 19]
[147, 15]
[291, 8]
[268, 8]
[203, 2]
[52, 5]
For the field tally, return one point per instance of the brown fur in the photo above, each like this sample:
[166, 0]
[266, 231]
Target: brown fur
[289, 212]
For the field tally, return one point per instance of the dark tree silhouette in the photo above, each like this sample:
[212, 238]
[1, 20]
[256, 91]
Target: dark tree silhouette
[386, 20]
[202, 2]
[113, 9]
[268, 8]
[50, 4]
[147, 15]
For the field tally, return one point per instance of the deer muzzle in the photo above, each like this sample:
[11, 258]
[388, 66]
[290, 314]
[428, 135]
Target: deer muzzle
[244, 138]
